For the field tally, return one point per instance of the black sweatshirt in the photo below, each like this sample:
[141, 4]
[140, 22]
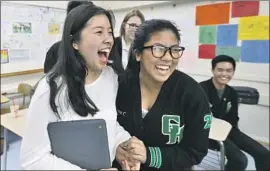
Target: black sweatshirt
[176, 128]
[225, 108]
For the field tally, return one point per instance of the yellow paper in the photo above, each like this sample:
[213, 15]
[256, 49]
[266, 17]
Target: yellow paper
[54, 28]
[254, 28]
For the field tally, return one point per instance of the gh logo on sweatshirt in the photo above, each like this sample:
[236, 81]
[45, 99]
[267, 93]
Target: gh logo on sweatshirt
[171, 127]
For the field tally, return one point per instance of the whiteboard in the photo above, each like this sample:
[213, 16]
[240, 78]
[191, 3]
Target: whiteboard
[183, 14]
[27, 32]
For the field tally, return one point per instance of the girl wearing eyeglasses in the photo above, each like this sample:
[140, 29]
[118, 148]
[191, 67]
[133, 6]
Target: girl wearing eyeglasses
[119, 57]
[165, 110]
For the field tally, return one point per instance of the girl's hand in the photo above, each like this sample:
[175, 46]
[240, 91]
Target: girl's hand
[126, 166]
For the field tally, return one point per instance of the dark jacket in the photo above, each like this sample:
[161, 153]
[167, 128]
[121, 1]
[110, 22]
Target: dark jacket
[175, 129]
[225, 108]
[51, 57]
[115, 56]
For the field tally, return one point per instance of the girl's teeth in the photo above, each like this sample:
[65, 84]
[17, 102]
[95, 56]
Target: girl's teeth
[105, 50]
[163, 67]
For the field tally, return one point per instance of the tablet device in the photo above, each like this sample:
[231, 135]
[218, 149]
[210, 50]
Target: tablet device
[81, 142]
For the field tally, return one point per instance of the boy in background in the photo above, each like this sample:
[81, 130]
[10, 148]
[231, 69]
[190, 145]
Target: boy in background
[224, 105]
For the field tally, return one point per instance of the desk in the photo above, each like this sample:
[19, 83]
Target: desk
[16, 125]
[4, 99]
[219, 131]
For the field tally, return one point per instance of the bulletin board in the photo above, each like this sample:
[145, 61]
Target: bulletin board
[27, 32]
[217, 36]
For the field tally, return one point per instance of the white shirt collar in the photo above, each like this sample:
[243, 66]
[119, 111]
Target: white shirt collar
[124, 45]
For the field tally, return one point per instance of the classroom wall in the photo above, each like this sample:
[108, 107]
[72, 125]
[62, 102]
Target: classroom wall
[113, 5]
[54, 4]
[254, 120]
[118, 5]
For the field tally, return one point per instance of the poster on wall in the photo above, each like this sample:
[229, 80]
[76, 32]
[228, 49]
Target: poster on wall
[4, 56]
[233, 51]
[21, 41]
[19, 54]
[207, 51]
[254, 28]
[255, 51]
[22, 27]
[208, 35]
[54, 28]
[213, 14]
[227, 35]
[245, 8]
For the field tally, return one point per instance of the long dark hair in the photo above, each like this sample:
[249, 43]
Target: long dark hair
[143, 34]
[73, 4]
[70, 70]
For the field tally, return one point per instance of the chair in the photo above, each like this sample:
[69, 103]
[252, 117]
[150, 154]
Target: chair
[219, 131]
[25, 90]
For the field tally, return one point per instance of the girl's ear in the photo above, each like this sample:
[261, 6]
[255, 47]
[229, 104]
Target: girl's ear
[138, 55]
[75, 46]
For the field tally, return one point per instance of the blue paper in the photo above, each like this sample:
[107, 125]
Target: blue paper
[255, 51]
[227, 35]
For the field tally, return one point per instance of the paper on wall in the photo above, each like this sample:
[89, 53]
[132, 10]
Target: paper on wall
[22, 27]
[4, 56]
[54, 28]
[254, 28]
[20, 41]
[19, 54]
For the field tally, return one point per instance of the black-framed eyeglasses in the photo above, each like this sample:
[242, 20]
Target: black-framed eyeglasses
[158, 51]
[132, 25]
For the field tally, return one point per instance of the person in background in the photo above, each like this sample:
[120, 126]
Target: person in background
[131, 22]
[79, 87]
[224, 105]
[52, 54]
[165, 110]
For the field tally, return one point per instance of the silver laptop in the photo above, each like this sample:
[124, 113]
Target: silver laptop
[83, 143]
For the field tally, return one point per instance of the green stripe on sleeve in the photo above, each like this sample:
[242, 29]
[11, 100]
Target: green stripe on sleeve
[153, 157]
[159, 157]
